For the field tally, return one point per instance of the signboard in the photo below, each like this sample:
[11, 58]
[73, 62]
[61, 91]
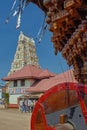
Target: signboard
[18, 90]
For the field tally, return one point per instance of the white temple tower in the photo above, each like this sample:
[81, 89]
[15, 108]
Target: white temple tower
[25, 53]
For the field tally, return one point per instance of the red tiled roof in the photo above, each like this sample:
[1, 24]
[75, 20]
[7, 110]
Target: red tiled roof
[46, 73]
[46, 84]
[29, 71]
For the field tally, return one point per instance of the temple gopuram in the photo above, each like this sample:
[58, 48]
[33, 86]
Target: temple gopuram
[67, 20]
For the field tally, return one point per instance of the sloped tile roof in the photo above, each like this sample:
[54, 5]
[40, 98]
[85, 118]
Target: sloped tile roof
[29, 71]
[46, 73]
[46, 84]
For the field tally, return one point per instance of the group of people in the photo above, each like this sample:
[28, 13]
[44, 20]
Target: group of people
[26, 105]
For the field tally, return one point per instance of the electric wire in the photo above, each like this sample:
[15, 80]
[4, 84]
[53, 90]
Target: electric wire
[67, 85]
[61, 66]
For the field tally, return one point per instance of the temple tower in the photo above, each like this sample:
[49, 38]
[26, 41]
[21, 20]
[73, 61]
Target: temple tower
[25, 53]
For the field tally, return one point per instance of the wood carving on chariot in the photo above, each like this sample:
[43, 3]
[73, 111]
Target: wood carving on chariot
[67, 20]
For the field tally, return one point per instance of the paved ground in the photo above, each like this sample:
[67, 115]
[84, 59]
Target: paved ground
[14, 120]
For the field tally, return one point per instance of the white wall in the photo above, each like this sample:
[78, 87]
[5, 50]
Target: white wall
[13, 94]
[13, 99]
[0, 93]
[28, 83]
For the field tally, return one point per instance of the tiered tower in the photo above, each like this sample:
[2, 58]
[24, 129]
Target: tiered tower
[25, 53]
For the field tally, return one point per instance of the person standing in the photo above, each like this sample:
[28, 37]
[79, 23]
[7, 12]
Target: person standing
[29, 105]
[20, 105]
[23, 107]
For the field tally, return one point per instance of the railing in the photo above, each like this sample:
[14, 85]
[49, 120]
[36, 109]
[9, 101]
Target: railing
[68, 3]
[60, 15]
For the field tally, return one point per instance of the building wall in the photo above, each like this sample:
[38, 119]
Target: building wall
[15, 92]
[28, 83]
[0, 93]
[13, 99]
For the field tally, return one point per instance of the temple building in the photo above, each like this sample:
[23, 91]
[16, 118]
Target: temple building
[21, 80]
[25, 54]
[32, 82]
[26, 77]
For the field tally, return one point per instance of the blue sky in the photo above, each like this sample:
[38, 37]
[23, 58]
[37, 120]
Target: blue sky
[31, 22]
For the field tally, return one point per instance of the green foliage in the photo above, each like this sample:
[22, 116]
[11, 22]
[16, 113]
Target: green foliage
[6, 96]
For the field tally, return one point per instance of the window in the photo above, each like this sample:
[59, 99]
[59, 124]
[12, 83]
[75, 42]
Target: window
[23, 82]
[17, 56]
[15, 83]
[19, 49]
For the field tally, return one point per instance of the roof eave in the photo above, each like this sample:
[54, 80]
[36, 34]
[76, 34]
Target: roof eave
[25, 77]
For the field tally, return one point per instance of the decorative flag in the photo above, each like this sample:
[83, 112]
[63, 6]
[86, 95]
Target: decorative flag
[17, 10]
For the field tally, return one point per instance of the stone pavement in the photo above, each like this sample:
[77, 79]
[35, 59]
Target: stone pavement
[12, 119]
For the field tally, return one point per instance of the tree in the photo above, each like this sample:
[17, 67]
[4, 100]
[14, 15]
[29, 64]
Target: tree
[6, 97]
